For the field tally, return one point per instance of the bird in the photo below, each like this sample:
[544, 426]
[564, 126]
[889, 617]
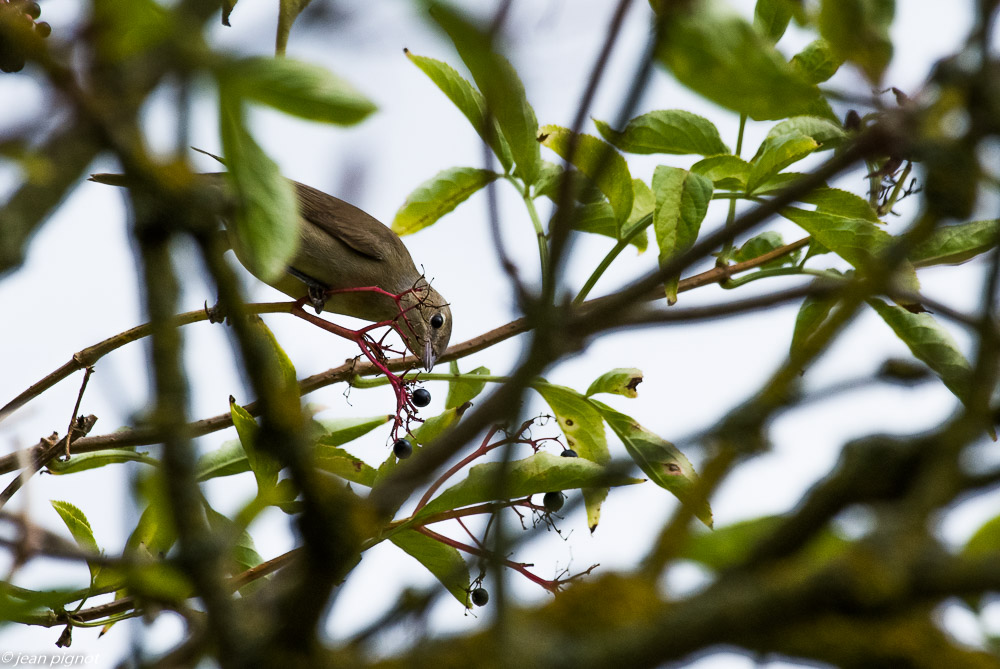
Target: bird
[340, 247]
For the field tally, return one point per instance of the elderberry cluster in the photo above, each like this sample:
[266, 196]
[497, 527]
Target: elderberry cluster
[18, 26]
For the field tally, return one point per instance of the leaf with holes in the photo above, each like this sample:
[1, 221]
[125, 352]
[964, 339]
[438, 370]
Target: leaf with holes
[621, 381]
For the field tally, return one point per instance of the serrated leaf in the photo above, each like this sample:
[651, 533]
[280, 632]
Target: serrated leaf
[444, 561]
[777, 153]
[672, 131]
[584, 431]
[812, 314]
[931, 344]
[860, 242]
[465, 389]
[300, 89]
[660, 461]
[826, 133]
[841, 203]
[264, 230]
[725, 172]
[858, 31]
[718, 54]
[955, 244]
[763, 243]
[86, 461]
[599, 217]
[288, 11]
[771, 17]
[469, 101]
[599, 162]
[620, 381]
[539, 473]
[682, 199]
[501, 88]
[79, 527]
[817, 62]
[438, 196]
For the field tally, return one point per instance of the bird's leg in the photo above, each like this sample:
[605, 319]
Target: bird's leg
[317, 291]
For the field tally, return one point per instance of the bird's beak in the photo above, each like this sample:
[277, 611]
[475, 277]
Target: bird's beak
[428, 358]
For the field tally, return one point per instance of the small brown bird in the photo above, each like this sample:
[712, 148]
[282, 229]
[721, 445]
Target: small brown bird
[341, 247]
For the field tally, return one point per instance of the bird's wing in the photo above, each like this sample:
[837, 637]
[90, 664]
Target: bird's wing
[345, 222]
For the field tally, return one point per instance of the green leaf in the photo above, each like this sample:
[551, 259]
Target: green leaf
[725, 172]
[682, 199]
[79, 527]
[763, 243]
[599, 162]
[340, 431]
[858, 31]
[986, 540]
[730, 545]
[660, 461]
[288, 11]
[469, 101]
[264, 230]
[300, 89]
[265, 468]
[584, 431]
[620, 381]
[465, 389]
[85, 461]
[501, 87]
[667, 131]
[243, 553]
[599, 217]
[812, 314]
[341, 463]
[841, 203]
[581, 189]
[775, 154]
[826, 133]
[816, 63]
[858, 241]
[771, 17]
[439, 195]
[228, 459]
[128, 28]
[444, 561]
[719, 55]
[954, 244]
[931, 344]
[539, 473]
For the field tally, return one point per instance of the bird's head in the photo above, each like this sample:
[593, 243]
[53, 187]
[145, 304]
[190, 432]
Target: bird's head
[425, 323]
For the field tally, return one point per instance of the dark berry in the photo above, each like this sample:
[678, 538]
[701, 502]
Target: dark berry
[43, 29]
[402, 448]
[480, 596]
[11, 63]
[421, 397]
[33, 10]
[569, 453]
[553, 501]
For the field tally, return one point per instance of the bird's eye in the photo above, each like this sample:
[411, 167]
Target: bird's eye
[437, 320]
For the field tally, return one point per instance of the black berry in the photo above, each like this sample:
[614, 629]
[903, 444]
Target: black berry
[43, 29]
[402, 448]
[480, 596]
[421, 397]
[553, 501]
[569, 453]
[33, 10]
